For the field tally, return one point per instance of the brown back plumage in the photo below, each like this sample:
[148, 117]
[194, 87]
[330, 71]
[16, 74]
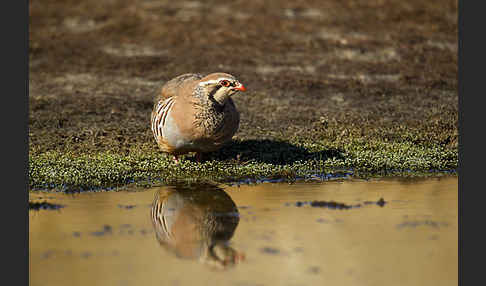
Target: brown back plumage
[170, 88]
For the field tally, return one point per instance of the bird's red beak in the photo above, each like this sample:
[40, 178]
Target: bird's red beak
[240, 87]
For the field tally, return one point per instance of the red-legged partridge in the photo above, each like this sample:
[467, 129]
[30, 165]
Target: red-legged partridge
[195, 113]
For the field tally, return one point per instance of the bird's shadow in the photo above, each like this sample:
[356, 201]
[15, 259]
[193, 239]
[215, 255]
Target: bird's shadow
[271, 152]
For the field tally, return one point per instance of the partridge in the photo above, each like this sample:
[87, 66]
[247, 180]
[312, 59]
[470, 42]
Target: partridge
[195, 113]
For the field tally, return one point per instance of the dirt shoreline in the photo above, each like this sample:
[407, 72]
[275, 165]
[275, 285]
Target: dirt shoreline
[367, 85]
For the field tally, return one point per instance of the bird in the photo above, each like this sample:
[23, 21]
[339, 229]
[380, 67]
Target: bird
[195, 113]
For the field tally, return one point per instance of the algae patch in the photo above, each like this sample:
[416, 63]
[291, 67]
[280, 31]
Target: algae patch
[43, 206]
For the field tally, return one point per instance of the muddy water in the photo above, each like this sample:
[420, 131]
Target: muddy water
[268, 234]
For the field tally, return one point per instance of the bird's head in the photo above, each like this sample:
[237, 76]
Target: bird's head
[220, 86]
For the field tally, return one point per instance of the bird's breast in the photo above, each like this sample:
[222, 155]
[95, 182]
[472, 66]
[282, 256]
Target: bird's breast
[196, 127]
[216, 121]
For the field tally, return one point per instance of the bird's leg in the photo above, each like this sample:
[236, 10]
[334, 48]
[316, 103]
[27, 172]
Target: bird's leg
[199, 157]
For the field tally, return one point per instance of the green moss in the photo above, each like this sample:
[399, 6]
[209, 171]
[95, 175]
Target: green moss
[254, 159]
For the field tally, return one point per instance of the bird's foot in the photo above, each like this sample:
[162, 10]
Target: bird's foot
[199, 157]
[175, 159]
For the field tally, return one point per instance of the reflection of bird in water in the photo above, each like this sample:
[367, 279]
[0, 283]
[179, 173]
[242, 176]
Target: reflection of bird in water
[196, 223]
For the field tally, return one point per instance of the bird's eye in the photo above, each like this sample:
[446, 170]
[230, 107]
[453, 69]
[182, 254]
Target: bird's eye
[225, 83]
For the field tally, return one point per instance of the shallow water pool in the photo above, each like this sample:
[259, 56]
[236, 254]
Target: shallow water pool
[383, 232]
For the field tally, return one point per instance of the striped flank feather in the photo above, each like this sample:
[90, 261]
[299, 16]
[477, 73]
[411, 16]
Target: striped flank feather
[160, 116]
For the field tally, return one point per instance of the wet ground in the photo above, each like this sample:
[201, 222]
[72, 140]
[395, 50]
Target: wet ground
[397, 232]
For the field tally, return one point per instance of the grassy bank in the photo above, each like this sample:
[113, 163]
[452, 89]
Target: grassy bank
[251, 159]
[341, 86]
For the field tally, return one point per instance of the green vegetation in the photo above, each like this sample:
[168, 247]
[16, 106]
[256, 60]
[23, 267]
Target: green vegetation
[244, 159]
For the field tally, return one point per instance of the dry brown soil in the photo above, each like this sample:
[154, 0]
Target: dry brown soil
[313, 69]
